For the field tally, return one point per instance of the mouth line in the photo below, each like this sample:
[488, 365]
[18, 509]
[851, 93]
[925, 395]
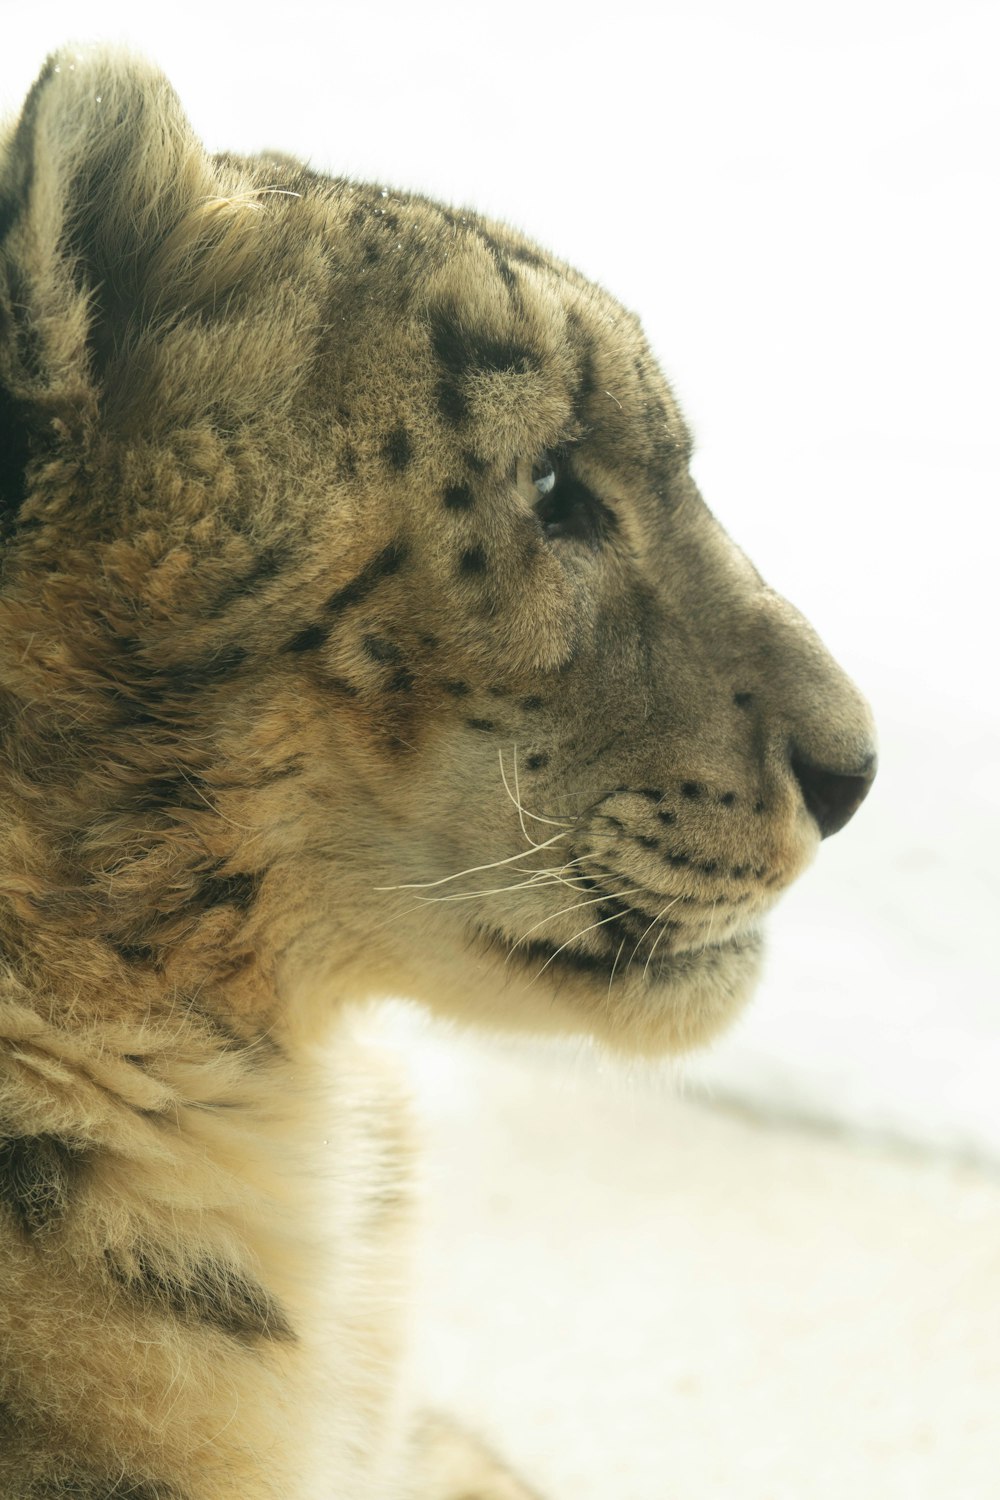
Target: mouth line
[563, 958]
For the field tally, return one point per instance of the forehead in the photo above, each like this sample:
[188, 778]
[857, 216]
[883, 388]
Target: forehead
[469, 339]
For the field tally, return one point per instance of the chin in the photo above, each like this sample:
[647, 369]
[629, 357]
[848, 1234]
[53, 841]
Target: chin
[671, 1004]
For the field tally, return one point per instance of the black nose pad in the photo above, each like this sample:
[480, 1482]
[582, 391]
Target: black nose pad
[833, 797]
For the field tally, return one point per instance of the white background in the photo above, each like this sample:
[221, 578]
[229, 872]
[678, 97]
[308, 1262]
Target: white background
[801, 200]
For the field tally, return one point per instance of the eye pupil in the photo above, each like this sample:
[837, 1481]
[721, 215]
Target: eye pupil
[543, 474]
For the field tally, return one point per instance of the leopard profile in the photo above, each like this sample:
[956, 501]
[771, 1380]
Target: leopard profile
[362, 633]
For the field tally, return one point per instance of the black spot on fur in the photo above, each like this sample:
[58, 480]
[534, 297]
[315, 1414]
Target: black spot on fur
[267, 566]
[462, 352]
[473, 560]
[457, 689]
[758, 807]
[486, 725]
[665, 816]
[647, 841]
[380, 650]
[308, 639]
[477, 464]
[538, 761]
[212, 1294]
[458, 497]
[692, 790]
[728, 799]
[134, 954]
[743, 700]
[228, 890]
[709, 867]
[184, 679]
[166, 793]
[398, 449]
[388, 561]
[531, 704]
[678, 860]
[37, 1176]
[401, 681]
[738, 872]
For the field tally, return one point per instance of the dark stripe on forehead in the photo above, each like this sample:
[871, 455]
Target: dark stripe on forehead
[500, 260]
[583, 343]
[462, 351]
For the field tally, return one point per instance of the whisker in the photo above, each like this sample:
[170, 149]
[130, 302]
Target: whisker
[515, 797]
[552, 916]
[582, 933]
[426, 885]
[657, 918]
[614, 966]
[537, 882]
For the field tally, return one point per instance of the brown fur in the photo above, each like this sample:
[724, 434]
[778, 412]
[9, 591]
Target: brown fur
[296, 648]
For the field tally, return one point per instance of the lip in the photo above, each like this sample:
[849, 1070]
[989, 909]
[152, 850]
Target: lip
[655, 968]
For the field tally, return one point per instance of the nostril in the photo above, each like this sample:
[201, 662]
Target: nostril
[833, 797]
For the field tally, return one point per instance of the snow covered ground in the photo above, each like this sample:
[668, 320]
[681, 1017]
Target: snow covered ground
[637, 1298]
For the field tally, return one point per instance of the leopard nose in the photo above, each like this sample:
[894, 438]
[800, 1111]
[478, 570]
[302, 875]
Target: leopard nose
[833, 797]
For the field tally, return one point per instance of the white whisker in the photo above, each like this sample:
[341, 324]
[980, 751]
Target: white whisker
[614, 966]
[522, 811]
[537, 882]
[582, 933]
[552, 916]
[657, 918]
[426, 885]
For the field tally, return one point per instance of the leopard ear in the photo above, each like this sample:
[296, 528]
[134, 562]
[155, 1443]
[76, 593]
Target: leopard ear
[98, 170]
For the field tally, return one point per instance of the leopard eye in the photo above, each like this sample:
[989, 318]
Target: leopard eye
[543, 474]
[569, 509]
